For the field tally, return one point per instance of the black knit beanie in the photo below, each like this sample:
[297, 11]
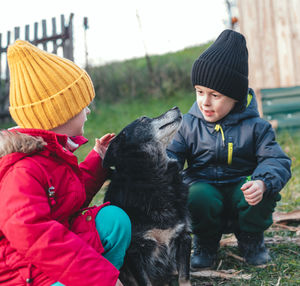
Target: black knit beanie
[224, 66]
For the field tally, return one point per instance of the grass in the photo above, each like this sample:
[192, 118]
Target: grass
[286, 263]
[285, 267]
[112, 117]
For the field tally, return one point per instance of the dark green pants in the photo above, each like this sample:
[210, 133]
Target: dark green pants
[212, 206]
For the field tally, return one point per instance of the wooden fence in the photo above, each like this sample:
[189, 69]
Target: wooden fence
[57, 41]
[272, 30]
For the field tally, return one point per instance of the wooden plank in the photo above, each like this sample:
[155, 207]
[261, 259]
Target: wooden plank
[70, 38]
[27, 28]
[289, 123]
[294, 22]
[54, 33]
[272, 30]
[62, 24]
[8, 43]
[44, 30]
[281, 108]
[17, 33]
[283, 41]
[248, 10]
[268, 51]
[274, 93]
[63, 33]
[36, 31]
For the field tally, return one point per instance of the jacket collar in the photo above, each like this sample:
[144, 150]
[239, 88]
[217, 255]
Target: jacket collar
[49, 142]
[53, 139]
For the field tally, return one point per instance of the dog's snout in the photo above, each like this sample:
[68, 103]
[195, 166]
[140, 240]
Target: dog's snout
[174, 108]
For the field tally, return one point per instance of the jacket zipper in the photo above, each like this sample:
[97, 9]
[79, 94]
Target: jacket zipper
[220, 145]
[230, 151]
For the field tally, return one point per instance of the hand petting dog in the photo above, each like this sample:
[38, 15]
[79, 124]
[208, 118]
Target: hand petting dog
[101, 144]
[253, 191]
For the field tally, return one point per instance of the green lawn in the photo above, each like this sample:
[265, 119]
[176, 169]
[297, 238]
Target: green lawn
[285, 267]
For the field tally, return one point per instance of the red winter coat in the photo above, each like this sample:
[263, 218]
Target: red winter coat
[44, 237]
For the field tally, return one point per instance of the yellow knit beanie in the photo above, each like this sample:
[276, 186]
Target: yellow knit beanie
[45, 89]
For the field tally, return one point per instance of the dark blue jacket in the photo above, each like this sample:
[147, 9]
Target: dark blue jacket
[247, 147]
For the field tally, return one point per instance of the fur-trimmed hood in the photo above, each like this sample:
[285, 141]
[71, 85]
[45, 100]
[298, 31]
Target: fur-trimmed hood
[11, 142]
[15, 144]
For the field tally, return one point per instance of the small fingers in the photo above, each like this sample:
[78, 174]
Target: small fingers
[252, 195]
[254, 198]
[253, 202]
[247, 185]
[107, 137]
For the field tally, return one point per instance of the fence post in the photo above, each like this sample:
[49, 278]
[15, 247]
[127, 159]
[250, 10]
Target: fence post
[66, 44]
[68, 38]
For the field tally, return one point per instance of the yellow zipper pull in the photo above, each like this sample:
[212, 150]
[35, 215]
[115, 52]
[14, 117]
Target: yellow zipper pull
[218, 128]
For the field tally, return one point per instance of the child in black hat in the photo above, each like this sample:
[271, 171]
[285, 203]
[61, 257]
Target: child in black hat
[235, 167]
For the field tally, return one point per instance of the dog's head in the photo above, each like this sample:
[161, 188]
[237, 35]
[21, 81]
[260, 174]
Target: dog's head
[147, 136]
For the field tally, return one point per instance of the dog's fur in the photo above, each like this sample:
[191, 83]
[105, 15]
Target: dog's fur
[11, 142]
[148, 186]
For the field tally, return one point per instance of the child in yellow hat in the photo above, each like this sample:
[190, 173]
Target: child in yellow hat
[47, 231]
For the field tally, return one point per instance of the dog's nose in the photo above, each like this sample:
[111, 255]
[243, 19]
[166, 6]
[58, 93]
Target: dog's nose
[175, 107]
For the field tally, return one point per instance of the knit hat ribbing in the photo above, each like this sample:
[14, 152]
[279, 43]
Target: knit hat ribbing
[224, 66]
[45, 89]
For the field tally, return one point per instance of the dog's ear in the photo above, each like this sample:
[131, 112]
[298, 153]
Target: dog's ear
[110, 155]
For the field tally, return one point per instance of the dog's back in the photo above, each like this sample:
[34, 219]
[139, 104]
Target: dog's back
[148, 186]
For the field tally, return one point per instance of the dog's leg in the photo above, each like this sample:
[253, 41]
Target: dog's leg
[127, 277]
[139, 273]
[183, 254]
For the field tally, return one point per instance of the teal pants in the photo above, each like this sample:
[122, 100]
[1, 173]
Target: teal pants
[212, 206]
[114, 228]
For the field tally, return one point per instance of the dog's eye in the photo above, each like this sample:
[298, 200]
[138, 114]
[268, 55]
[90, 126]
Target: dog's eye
[124, 133]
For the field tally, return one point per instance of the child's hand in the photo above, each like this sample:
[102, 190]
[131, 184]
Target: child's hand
[102, 144]
[253, 191]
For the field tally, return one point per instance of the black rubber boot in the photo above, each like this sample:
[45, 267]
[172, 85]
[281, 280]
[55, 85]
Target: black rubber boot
[205, 253]
[252, 247]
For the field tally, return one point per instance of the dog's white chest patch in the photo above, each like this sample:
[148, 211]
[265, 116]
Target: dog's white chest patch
[163, 236]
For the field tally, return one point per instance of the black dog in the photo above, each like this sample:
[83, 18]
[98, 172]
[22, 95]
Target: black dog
[148, 186]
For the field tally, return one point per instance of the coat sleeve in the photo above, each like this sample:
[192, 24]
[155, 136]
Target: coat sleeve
[27, 224]
[93, 175]
[273, 164]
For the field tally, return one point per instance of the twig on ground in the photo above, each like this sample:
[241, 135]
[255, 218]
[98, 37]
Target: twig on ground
[278, 282]
[265, 266]
[224, 274]
[279, 239]
[290, 216]
[231, 241]
[219, 265]
[229, 253]
[283, 226]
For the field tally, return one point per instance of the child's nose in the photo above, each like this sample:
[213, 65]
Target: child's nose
[206, 99]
